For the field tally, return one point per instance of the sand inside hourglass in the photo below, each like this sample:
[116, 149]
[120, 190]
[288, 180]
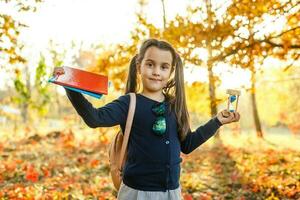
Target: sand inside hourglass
[232, 103]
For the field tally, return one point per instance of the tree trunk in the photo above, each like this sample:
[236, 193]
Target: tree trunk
[24, 110]
[211, 79]
[25, 106]
[164, 13]
[257, 123]
[58, 103]
[212, 91]
[212, 87]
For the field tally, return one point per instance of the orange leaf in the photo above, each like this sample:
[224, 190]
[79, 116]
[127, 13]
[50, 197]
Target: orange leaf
[95, 163]
[10, 166]
[46, 172]
[187, 197]
[31, 174]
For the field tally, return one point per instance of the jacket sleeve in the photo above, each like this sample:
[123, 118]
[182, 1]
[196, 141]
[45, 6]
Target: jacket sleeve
[201, 135]
[114, 113]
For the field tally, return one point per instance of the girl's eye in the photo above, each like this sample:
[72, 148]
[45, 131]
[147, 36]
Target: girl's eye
[165, 67]
[149, 64]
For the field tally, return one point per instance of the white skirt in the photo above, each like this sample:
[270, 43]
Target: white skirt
[128, 193]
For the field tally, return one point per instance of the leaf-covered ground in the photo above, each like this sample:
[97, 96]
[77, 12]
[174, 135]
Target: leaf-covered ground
[58, 166]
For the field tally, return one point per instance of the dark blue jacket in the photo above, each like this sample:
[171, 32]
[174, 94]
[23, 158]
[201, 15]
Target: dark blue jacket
[153, 162]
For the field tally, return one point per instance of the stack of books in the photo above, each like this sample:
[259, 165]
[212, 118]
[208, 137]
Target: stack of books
[82, 81]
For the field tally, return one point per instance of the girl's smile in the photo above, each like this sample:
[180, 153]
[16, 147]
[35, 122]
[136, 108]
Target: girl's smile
[155, 80]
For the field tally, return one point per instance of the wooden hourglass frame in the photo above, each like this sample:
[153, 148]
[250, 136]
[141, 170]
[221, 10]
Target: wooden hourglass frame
[232, 92]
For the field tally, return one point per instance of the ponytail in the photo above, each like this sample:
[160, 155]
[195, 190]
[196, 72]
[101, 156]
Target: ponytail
[131, 85]
[181, 110]
[175, 93]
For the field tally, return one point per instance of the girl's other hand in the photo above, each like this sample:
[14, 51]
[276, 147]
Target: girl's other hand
[58, 71]
[226, 117]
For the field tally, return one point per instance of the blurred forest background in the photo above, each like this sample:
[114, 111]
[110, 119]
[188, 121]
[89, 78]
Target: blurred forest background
[251, 45]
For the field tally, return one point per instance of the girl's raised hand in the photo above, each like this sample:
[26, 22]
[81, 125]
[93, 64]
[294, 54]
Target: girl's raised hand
[226, 117]
[58, 71]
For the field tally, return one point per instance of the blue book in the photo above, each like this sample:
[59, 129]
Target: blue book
[98, 96]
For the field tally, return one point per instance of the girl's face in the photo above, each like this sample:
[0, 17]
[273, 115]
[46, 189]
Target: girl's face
[155, 69]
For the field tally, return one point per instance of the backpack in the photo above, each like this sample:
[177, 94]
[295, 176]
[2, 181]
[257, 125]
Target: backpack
[118, 146]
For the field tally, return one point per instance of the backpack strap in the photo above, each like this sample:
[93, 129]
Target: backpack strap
[129, 120]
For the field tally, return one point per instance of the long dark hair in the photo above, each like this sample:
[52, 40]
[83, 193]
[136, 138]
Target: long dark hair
[174, 90]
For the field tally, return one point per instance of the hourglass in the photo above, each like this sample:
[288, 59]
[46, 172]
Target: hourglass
[233, 99]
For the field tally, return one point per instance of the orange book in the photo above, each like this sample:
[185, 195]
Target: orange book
[82, 81]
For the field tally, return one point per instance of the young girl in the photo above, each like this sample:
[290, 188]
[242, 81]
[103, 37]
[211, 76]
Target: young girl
[160, 128]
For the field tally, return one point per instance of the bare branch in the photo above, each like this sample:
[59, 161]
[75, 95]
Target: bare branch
[292, 63]
[281, 45]
[284, 32]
